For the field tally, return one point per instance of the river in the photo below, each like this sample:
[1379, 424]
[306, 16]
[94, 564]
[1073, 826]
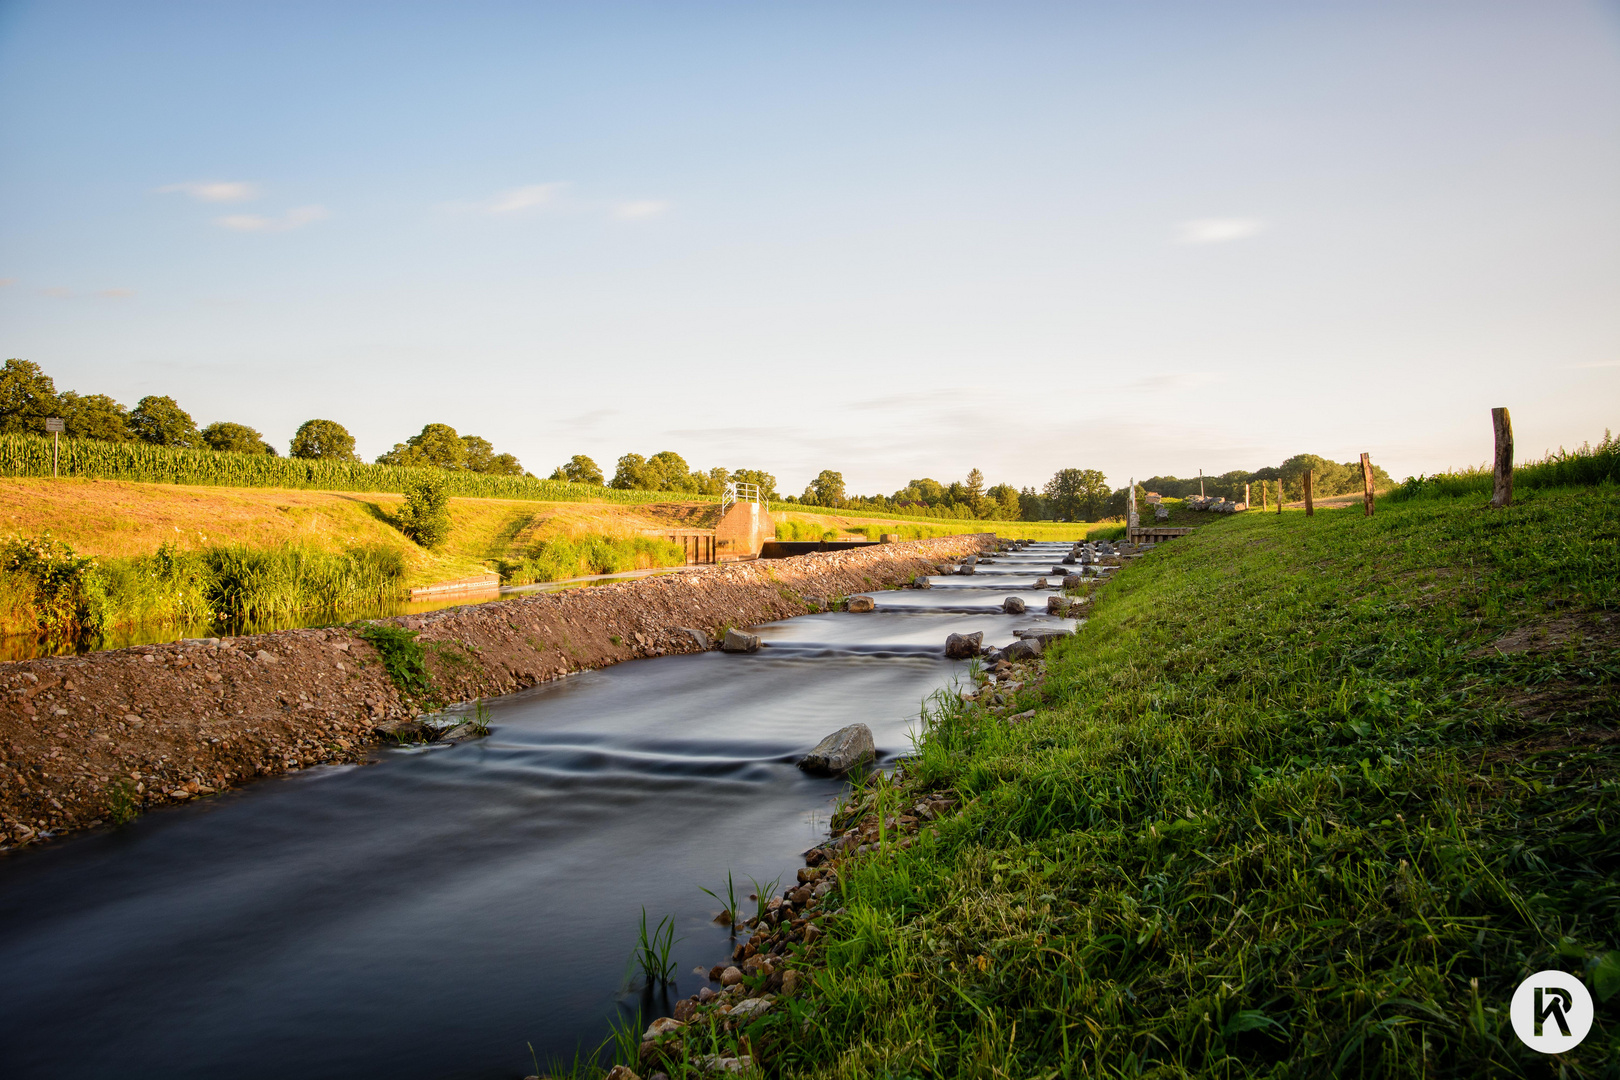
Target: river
[432, 914]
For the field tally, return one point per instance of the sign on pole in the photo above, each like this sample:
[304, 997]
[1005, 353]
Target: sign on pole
[55, 426]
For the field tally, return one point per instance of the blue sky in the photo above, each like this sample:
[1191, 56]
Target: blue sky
[890, 239]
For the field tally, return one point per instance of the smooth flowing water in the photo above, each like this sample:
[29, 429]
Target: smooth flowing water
[430, 915]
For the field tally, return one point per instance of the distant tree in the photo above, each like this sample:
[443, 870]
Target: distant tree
[93, 416]
[828, 488]
[437, 446]
[478, 455]
[505, 465]
[425, 517]
[1031, 506]
[973, 488]
[668, 471]
[162, 422]
[766, 482]
[27, 397]
[235, 438]
[581, 470]
[323, 440]
[1077, 494]
[631, 474]
[1004, 498]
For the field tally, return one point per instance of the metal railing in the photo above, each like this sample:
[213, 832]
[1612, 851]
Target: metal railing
[737, 492]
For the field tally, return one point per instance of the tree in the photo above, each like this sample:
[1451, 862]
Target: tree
[27, 397]
[437, 446]
[1004, 498]
[504, 465]
[667, 471]
[425, 517]
[162, 422]
[1077, 494]
[631, 474]
[581, 470]
[766, 482]
[973, 487]
[1031, 507]
[235, 438]
[93, 416]
[828, 488]
[323, 440]
[479, 455]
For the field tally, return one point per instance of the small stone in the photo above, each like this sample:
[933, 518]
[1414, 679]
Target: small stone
[841, 751]
[706, 994]
[1024, 649]
[1073, 581]
[790, 982]
[861, 604]
[738, 641]
[621, 1072]
[747, 1010]
[731, 976]
[661, 1026]
[261, 656]
[921, 582]
[698, 636]
[963, 646]
[1057, 605]
[1013, 605]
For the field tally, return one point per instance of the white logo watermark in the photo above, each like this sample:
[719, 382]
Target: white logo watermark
[1551, 1012]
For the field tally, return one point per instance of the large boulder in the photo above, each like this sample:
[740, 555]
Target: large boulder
[964, 646]
[861, 603]
[841, 751]
[740, 641]
[1013, 605]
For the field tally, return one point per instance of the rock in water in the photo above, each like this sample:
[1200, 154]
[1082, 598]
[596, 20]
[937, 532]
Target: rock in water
[1073, 581]
[841, 751]
[921, 582]
[861, 603]
[1057, 605]
[1024, 649]
[963, 646]
[698, 636]
[738, 641]
[1013, 605]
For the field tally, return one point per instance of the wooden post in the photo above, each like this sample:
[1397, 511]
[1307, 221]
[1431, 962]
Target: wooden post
[1367, 484]
[1305, 482]
[1245, 496]
[1263, 487]
[1279, 496]
[1503, 425]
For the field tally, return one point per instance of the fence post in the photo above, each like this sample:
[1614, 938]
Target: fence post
[1503, 426]
[1263, 503]
[1305, 482]
[1245, 496]
[1367, 484]
[1279, 496]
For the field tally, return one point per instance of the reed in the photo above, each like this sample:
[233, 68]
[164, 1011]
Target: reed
[560, 558]
[653, 948]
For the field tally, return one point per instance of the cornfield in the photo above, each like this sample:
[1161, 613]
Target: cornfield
[30, 455]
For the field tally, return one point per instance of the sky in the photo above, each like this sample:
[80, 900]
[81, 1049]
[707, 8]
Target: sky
[891, 239]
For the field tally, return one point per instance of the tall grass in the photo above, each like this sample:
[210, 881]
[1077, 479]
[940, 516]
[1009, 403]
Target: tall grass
[560, 558]
[227, 584]
[30, 455]
[1585, 466]
[805, 530]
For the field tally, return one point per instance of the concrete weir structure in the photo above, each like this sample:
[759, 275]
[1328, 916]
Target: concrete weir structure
[742, 530]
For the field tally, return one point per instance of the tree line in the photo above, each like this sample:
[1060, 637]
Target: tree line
[28, 396]
[1328, 478]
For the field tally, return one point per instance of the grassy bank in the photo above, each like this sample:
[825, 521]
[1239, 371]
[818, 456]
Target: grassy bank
[567, 557]
[1305, 796]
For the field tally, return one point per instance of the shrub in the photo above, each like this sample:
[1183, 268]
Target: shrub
[67, 593]
[425, 517]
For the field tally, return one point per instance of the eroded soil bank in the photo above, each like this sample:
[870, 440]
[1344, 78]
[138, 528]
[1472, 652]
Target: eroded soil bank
[88, 740]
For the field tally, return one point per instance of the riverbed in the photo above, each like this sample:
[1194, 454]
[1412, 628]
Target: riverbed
[434, 913]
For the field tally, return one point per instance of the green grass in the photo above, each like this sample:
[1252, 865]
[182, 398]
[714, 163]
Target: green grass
[1584, 467]
[1285, 811]
[569, 557]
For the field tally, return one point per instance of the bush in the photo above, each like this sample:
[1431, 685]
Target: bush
[67, 593]
[425, 517]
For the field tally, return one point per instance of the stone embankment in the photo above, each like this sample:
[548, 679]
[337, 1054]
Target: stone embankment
[94, 739]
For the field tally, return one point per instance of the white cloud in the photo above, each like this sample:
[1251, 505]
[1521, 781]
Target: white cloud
[1219, 230]
[220, 191]
[524, 198]
[116, 293]
[640, 208]
[295, 218]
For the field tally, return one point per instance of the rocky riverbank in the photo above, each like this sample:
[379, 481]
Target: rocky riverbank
[93, 740]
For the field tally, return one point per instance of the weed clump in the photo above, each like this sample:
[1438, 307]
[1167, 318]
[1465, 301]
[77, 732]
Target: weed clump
[402, 656]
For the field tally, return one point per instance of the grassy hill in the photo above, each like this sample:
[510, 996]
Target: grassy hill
[1305, 796]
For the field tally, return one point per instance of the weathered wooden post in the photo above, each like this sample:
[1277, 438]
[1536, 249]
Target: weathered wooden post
[1305, 482]
[1367, 484]
[1263, 504]
[1245, 496]
[1279, 496]
[1503, 425]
